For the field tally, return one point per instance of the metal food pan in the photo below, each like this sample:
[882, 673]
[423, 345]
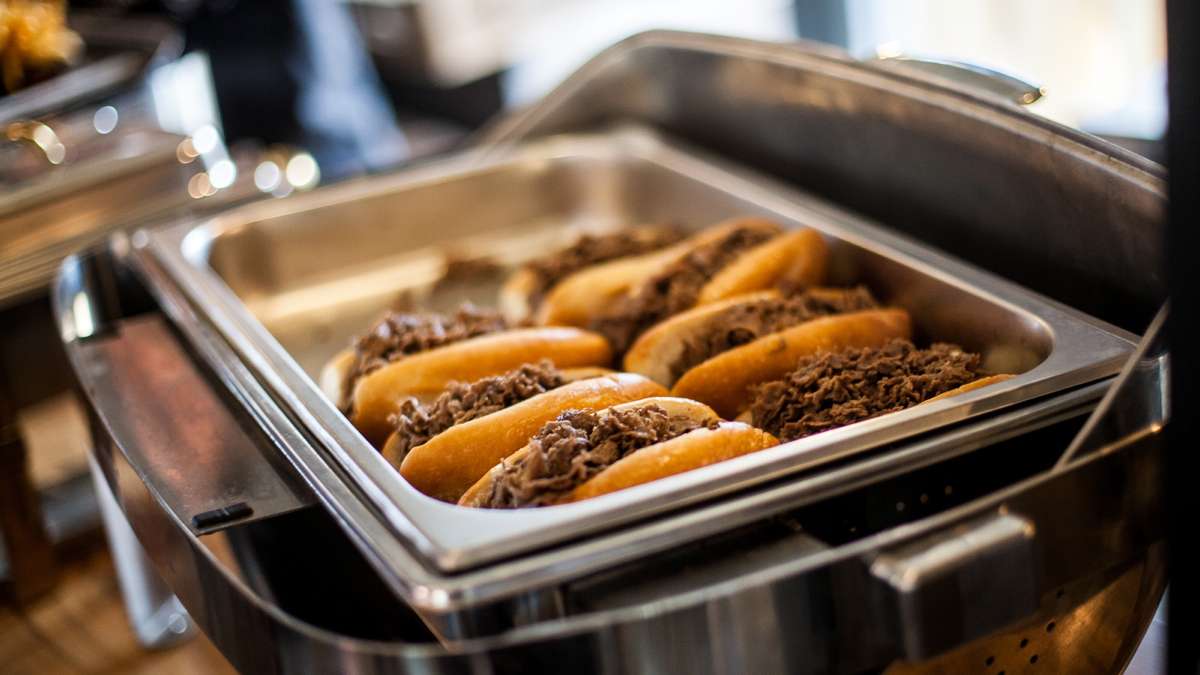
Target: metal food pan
[287, 284]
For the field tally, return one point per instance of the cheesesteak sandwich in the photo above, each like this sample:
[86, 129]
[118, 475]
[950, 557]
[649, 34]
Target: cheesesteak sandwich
[585, 453]
[417, 354]
[672, 347]
[523, 293]
[443, 447]
[622, 298]
[725, 381]
[836, 388]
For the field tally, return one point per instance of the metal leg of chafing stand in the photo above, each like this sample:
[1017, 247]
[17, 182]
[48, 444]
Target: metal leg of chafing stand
[156, 615]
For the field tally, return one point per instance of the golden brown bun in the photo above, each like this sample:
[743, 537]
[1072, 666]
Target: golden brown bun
[970, 386]
[582, 296]
[482, 489]
[334, 374]
[692, 450]
[424, 375]
[724, 381]
[450, 462]
[656, 349]
[796, 259]
[391, 448]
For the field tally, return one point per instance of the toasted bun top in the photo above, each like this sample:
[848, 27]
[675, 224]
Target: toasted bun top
[480, 493]
[724, 381]
[655, 350]
[450, 462]
[795, 261]
[693, 450]
[378, 395]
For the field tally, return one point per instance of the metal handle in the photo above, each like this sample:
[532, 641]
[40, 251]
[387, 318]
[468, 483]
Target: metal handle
[138, 376]
[1003, 84]
[961, 584]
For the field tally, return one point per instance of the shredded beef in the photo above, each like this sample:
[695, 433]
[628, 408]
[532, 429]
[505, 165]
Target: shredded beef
[399, 334]
[675, 288]
[462, 402]
[833, 389]
[579, 445]
[747, 322]
[597, 248]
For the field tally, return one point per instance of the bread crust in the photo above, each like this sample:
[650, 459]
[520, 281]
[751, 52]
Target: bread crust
[970, 386]
[582, 296]
[693, 450]
[655, 350]
[424, 375]
[796, 259]
[724, 381]
[449, 463]
[477, 493]
[334, 374]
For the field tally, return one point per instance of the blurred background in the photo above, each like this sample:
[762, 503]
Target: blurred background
[364, 84]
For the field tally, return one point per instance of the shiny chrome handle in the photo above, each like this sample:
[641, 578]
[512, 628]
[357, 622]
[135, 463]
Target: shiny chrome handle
[961, 584]
[997, 82]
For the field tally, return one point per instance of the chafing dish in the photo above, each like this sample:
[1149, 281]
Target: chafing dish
[905, 538]
[251, 274]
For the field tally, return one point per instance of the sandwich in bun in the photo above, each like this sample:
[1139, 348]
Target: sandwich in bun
[416, 355]
[623, 297]
[672, 347]
[583, 454]
[835, 388]
[445, 446]
[726, 380]
[523, 293]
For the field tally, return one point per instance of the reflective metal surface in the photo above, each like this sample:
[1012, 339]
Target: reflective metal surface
[1051, 208]
[1006, 86]
[795, 606]
[1138, 400]
[117, 51]
[130, 178]
[311, 305]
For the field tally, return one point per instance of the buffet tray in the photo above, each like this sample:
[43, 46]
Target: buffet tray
[287, 284]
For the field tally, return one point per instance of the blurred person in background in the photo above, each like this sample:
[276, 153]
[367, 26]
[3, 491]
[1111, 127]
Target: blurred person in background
[289, 71]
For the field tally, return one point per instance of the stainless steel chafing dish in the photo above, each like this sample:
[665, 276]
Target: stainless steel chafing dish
[904, 538]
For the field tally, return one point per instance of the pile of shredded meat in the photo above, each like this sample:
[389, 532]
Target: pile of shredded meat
[400, 334]
[833, 389]
[579, 445]
[462, 402]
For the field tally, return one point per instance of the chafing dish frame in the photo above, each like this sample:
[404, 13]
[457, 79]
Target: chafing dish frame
[1068, 548]
[1083, 351]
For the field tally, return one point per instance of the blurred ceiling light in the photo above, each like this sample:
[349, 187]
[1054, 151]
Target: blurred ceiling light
[302, 171]
[186, 151]
[200, 186]
[222, 174]
[267, 176]
[889, 50]
[105, 119]
[205, 139]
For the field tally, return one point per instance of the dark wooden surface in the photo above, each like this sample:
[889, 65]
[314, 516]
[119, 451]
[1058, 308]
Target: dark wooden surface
[80, 627]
